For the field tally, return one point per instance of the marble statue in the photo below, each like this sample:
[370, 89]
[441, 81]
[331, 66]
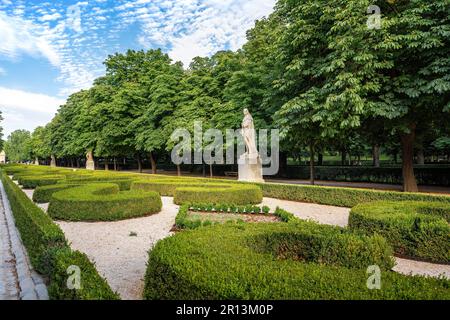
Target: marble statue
[250, 165]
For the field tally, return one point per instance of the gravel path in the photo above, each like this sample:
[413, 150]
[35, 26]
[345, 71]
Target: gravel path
[307, 211]
[118, 256]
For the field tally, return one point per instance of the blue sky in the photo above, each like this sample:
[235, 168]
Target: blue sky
[50, 49]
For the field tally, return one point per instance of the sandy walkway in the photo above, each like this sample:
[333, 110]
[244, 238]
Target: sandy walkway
[307, 211]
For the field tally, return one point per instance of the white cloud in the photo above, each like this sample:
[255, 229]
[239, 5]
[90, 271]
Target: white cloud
[2, 71]
[18, 36]
[196, 27]
[22, 109]
[50, 17]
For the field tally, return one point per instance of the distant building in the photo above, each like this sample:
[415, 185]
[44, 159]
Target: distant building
[2, 157]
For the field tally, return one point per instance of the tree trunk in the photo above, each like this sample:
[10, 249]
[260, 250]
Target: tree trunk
[283, 165]
[409, 179]
[312, 169]
[106, 165]
[178, 170]
[320, 160]
[153, 163]
[203, 170]
[115, 164]
[343, 158]
[211, 172]
[78, 162]
[376, 155]
[139, 163]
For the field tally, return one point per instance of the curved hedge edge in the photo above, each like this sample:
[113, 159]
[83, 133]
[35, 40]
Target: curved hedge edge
[217, 263]
[102, 202]
[48, 249]
[418, 230]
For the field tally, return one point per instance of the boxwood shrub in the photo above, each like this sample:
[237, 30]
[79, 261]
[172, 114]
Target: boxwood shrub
[48, 250]
[33, 181]
[102, 202]
[415, 229]
[341, 197]
[247, 261]
[185, 191]
[92, 286]
[44, 194]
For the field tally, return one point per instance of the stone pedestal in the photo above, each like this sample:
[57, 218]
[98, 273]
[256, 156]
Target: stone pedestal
[53, 162]
[250, 168]
[90, 163]
[36, 162]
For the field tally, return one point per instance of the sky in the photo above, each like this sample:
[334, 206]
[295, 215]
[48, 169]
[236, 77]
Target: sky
[51, 49]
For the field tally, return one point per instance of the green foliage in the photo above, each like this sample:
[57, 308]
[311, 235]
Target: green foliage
[230, 262]
[102, 202]
[33, 181]
[415, 229]
[196, 191]
[93, 286]
[18, 146]
[37, 230]
[183, 221]
[341, 197]
[49, 252]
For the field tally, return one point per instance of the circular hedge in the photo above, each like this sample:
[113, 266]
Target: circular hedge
[202, 192]
[415, 229]
[278, 261]
[102, 202]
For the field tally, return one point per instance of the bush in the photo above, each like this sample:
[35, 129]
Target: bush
[415, 229]
[33, 181]
[102, 202]
[230, 262]
[92, 285]
[342, 197]
[48, 250]
[44, 194]
[37, 230]
[185, 191]
[426, 175]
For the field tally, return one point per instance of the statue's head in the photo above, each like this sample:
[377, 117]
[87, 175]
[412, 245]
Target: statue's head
[246, 112]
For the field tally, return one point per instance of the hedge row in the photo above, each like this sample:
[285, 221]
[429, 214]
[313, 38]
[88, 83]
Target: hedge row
[415, 229]
[254, 261]
[342, 197]
[33, 181]
[102, 202]
[200, 192]
[49, 252]
[426, 175]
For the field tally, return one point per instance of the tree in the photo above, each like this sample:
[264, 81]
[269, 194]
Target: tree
[18, 146]
[40, 143]
[1, 133]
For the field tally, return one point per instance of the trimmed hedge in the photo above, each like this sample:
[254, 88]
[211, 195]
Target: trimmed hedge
[342, 197]
[33, 181]
[38, 232]
[44, 194]
[415, 229]
[102, 202]
[92, 286]
[185, 191]
[243, 262]
[124, 184]
[49, 252]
